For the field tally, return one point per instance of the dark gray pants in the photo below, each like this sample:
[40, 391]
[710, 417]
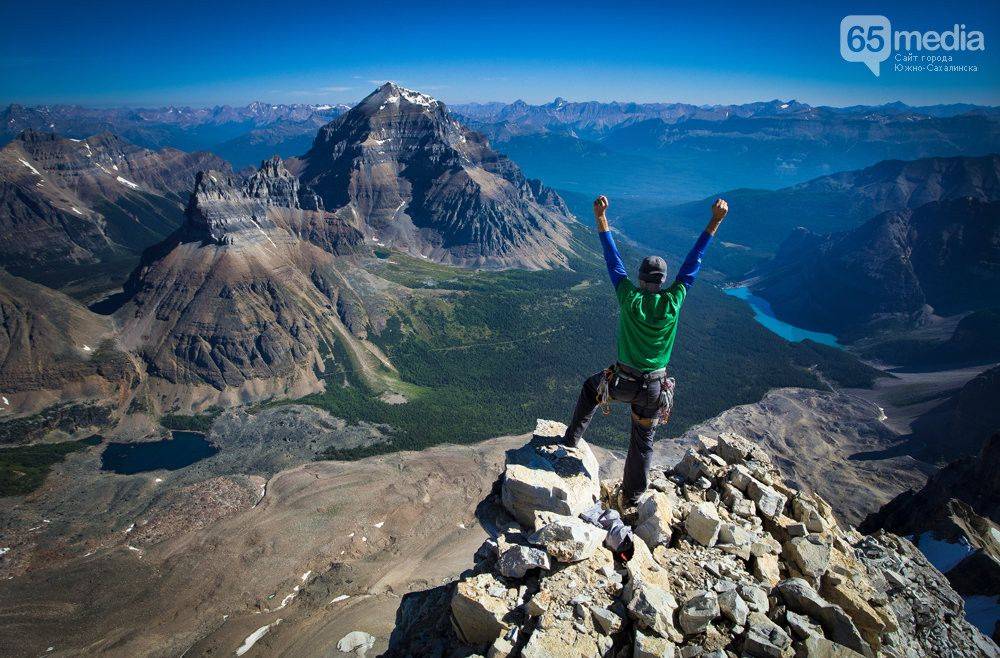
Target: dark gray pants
[644, 396]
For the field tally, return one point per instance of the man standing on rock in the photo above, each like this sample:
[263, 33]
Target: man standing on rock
[647, 325]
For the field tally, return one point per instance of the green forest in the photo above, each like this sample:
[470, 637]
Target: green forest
[499, 349]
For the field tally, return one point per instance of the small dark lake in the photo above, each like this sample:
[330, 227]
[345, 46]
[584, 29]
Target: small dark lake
[182, 449]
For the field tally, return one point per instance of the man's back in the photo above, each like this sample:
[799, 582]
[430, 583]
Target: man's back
[647, 324]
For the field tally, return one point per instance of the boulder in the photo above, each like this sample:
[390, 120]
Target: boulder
[799, 596]
[733, 448]
[546, 476]
[764, 638]
[703, 524]
[817, 646]
[605, 620]
[769, 502]
[810, 554]
[766, 568]
[569, 539]
[733, 607]
[481, 607]
[650, 646]
[650, 606]
[698, 612]
[654, 515]
[517, 560]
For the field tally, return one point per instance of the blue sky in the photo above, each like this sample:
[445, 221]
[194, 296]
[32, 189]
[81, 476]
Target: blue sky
[112, 53]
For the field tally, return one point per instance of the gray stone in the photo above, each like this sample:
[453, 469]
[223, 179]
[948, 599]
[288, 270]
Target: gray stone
[733, 448]
[764, 638]
[650, 606]
[737, 535]
[740, 477]
[810, 554]
[569, 539]
[691, 466]
[650, 646]
[769, 502]
[607, 621]
[480, 609]
[817, 646]
[655, 513]
[755, 597]
[518, 560]
[703, 524]
[733, 607]
[800, 597]
[699, 612]
[801, 625]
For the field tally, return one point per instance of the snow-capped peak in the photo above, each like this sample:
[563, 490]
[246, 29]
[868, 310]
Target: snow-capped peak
[390, 92]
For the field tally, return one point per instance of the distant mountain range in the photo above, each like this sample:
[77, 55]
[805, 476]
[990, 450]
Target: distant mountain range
[266, 280]
[665, 151]
[760, 220]
[243, 135]
[676, 151]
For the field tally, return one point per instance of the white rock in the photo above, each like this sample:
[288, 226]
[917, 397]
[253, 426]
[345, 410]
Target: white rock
[703, 524]
[545, 476]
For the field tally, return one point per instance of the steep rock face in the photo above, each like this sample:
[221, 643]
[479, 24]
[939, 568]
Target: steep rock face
[235, 305]
[943, 255]
[955, 520]
[777, 576]
[51, 346]
[960, 500]
[406, 173]
[69, 202]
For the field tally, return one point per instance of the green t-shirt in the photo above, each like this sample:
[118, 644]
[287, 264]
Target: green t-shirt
[647, 324]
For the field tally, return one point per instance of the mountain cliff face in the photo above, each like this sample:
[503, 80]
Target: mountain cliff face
[408, 175]
[725, 560]
[236, 303]
[944, 255]
[53, 349]
[67, 203]
[955, 520]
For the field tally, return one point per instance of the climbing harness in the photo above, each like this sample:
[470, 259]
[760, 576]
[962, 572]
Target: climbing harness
[618, 371]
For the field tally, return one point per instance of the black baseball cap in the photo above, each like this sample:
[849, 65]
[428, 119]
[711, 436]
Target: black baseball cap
[653, 269]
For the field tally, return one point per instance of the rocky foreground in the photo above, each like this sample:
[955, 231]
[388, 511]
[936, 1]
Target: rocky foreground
[727, 561]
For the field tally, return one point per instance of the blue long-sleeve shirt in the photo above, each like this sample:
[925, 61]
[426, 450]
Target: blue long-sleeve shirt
[686, 274]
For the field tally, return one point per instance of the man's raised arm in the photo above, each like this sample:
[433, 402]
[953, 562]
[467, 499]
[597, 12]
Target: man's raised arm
[692, 264]
[616, 268]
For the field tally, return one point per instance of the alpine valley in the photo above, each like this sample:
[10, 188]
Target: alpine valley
[262, 369]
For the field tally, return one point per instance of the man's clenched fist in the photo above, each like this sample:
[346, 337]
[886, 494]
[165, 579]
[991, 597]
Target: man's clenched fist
[719, 209]
[600, 206]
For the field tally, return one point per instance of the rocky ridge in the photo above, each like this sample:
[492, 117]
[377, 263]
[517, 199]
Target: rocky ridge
[727, 561]
[70, 202]
[248, 297]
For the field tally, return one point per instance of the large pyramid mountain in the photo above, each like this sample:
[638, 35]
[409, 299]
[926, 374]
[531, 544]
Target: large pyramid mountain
[406, 173]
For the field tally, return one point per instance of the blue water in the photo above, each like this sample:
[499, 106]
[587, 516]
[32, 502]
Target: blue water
[764, 314]
[182, 449]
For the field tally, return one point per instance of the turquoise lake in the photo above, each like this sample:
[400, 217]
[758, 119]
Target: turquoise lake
[764, 314]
